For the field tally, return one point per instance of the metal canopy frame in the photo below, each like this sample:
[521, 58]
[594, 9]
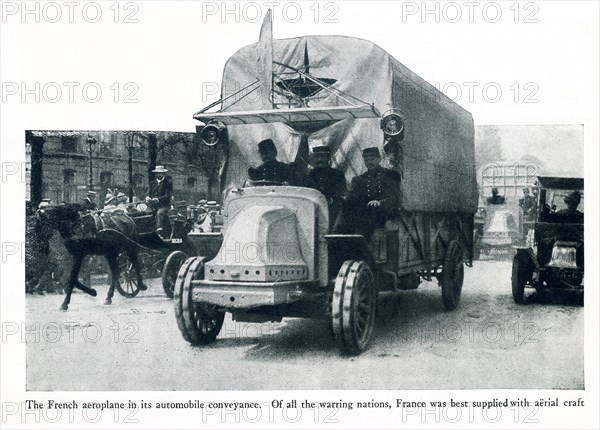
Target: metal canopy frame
[291, 116]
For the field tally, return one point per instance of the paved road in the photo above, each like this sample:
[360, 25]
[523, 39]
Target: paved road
[488, 342]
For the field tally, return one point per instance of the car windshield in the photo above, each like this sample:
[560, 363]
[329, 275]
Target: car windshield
[555, 199]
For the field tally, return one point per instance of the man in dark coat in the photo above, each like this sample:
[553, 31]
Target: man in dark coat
[496, 198]
[89, 204]
[160, 194]
[528, 203]
[271, 170]
[329, 181]
[571, 213]
[373, 198]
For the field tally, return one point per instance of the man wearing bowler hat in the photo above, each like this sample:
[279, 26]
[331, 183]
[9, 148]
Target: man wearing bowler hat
[161, 192]
[373, 197]
[329, 181]
[271, 169]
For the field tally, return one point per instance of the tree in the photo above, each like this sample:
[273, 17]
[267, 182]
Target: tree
[488, 146]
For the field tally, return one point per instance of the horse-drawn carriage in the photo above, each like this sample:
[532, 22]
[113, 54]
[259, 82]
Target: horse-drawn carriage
[276, 256]
[122, 235]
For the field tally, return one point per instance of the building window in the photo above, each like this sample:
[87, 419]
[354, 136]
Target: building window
[68, 177]
[68, 144]
[106, 179]
[191, 182]
[138, 153]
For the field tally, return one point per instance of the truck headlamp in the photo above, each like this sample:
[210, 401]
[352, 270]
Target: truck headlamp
[211, 134]
[392, 124]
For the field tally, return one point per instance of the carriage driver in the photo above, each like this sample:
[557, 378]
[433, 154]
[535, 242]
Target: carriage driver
[160, 194]
[373, 197]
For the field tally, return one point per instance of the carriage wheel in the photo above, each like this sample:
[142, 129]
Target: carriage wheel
[170, 269]
[452, 276]
[353, 307]
[128, 284]
[522, 271]
[199, 323]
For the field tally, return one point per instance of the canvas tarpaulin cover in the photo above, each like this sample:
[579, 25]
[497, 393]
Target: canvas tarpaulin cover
[438, 170]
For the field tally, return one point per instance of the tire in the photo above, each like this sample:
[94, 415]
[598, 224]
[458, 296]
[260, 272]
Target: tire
[127, 285]
[199, 323]
[170, 270]
[452, 275]
[354, 305]
[522, 271]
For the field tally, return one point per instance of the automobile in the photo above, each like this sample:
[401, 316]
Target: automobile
[553, 259]
[502, 229]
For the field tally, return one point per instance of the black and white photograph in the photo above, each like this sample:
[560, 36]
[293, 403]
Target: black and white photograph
[324, 214]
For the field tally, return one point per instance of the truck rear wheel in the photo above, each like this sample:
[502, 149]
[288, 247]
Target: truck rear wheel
[452, 277]
[199, 323]
[353, 307]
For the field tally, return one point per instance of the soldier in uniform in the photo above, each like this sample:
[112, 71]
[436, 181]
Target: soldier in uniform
[495, 199]
[374, 196]
[89, 204]
[329, 181]
[271, 169]
[160, 194]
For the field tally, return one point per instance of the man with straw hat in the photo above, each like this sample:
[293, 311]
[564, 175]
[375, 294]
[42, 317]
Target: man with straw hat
[160, 194]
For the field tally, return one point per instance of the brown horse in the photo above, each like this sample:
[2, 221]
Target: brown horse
[93, 234]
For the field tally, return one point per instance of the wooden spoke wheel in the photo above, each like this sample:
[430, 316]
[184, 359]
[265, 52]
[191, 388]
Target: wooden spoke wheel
[353, 307]
[199, 323]
[128, 282]
[453, 273]
[170, 270]
[522, 271]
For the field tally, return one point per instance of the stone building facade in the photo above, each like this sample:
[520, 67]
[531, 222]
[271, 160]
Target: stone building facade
[66, 161]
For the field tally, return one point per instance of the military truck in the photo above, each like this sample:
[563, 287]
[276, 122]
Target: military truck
[275, 256]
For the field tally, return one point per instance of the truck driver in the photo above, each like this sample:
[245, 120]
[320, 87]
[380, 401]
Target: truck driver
[374, 196]
[271, 170]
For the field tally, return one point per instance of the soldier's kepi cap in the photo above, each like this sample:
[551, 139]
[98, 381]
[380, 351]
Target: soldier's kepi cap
[372, 151]
[267, 145]
[321, 150]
